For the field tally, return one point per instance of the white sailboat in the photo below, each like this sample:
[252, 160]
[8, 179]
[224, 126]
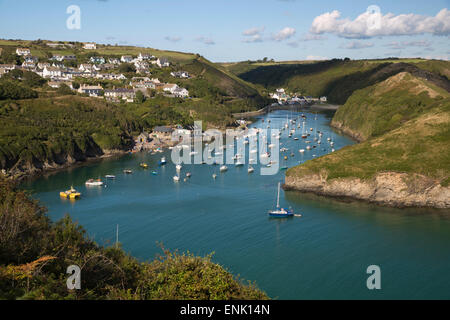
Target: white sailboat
[280, 212]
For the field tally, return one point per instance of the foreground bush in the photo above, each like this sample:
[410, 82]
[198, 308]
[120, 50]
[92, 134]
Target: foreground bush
[35, 253]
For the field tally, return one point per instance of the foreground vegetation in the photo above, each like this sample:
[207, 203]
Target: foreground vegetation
[35, 253]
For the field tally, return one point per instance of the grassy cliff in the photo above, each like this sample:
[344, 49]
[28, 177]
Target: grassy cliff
[404, 122]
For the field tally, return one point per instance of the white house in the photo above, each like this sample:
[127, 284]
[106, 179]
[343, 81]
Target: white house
[126, 59]
[180, 74]
[181, 92]
[121, 93]
[170, 87]
[23, 51]
[90, 46]
[162, 62]
[323, 99]
[52, 72]
[144, 56]
[93, 91]
[28, 65]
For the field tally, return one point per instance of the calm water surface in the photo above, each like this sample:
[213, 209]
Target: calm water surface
[323, 255]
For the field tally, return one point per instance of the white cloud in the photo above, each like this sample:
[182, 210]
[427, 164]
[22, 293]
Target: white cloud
[253, 31]
[368, 25]
[284, 34]
[357, 45]
[312, 57]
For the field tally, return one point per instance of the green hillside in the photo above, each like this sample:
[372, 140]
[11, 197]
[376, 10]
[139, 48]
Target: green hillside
[336, 79]
[406, 124]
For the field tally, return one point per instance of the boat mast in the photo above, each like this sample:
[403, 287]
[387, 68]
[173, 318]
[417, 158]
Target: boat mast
[117, 235]
[278, 197]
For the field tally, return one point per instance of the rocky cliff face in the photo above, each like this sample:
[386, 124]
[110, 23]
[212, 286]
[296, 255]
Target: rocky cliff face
[387, 188]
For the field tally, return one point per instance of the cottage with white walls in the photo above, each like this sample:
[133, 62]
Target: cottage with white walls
[23, 51]
[90, 46]
[52, 72]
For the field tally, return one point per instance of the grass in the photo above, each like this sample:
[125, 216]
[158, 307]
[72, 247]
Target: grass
[415, 142]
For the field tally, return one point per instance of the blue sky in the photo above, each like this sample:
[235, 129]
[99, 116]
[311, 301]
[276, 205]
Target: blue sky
[230, 30]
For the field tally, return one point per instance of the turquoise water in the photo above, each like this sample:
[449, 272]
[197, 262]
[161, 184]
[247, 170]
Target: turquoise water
[322, 255]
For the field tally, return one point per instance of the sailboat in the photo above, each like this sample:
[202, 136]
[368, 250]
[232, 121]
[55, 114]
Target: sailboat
[250, 169]
[280, 212]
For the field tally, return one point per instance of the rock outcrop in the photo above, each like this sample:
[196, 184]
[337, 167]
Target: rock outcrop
[386, 188]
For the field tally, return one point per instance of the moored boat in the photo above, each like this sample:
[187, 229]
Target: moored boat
[70, 194]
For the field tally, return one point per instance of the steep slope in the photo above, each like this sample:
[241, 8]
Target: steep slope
[380, 108]
[45, 133]
[338, 79]
[404, 161]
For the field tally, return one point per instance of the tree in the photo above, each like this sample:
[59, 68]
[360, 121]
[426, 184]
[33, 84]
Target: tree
[127, 67]
[140, 97]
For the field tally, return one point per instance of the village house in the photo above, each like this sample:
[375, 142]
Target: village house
[180, 74]
[90, 46]
[323, 99]
[162, 132]
[170, 87]
[126, 59]
[114, 61]
[181, 92]
[143, 84]
[28, 65]
[120, 93]
[8, 67]
[97, 60]
[52, 72]
[23, 51]
[162, 62]
[144, 56]
[107, 66]
[30, 58]
[92, 91]
[42, 65]
[60, 58]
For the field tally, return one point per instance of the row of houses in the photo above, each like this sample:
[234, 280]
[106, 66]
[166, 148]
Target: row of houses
[282, 97]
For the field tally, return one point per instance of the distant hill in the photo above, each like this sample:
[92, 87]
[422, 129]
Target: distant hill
[337, 79]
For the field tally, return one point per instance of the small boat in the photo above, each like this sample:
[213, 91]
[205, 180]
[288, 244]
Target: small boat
[110, 176]
[178, 167]
[280, 212]
[250, 169]
[223, 168]
[214, 175]
[154, 173]
[70, 194]
[143, 165]
[301, 150]
[188, 174]
[162, 161]
[127, 171]
[295, 138]
[239, 164]
[94, 183]
[176, 178]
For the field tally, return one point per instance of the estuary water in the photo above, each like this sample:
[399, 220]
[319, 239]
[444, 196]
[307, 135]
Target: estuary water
[322, 255]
